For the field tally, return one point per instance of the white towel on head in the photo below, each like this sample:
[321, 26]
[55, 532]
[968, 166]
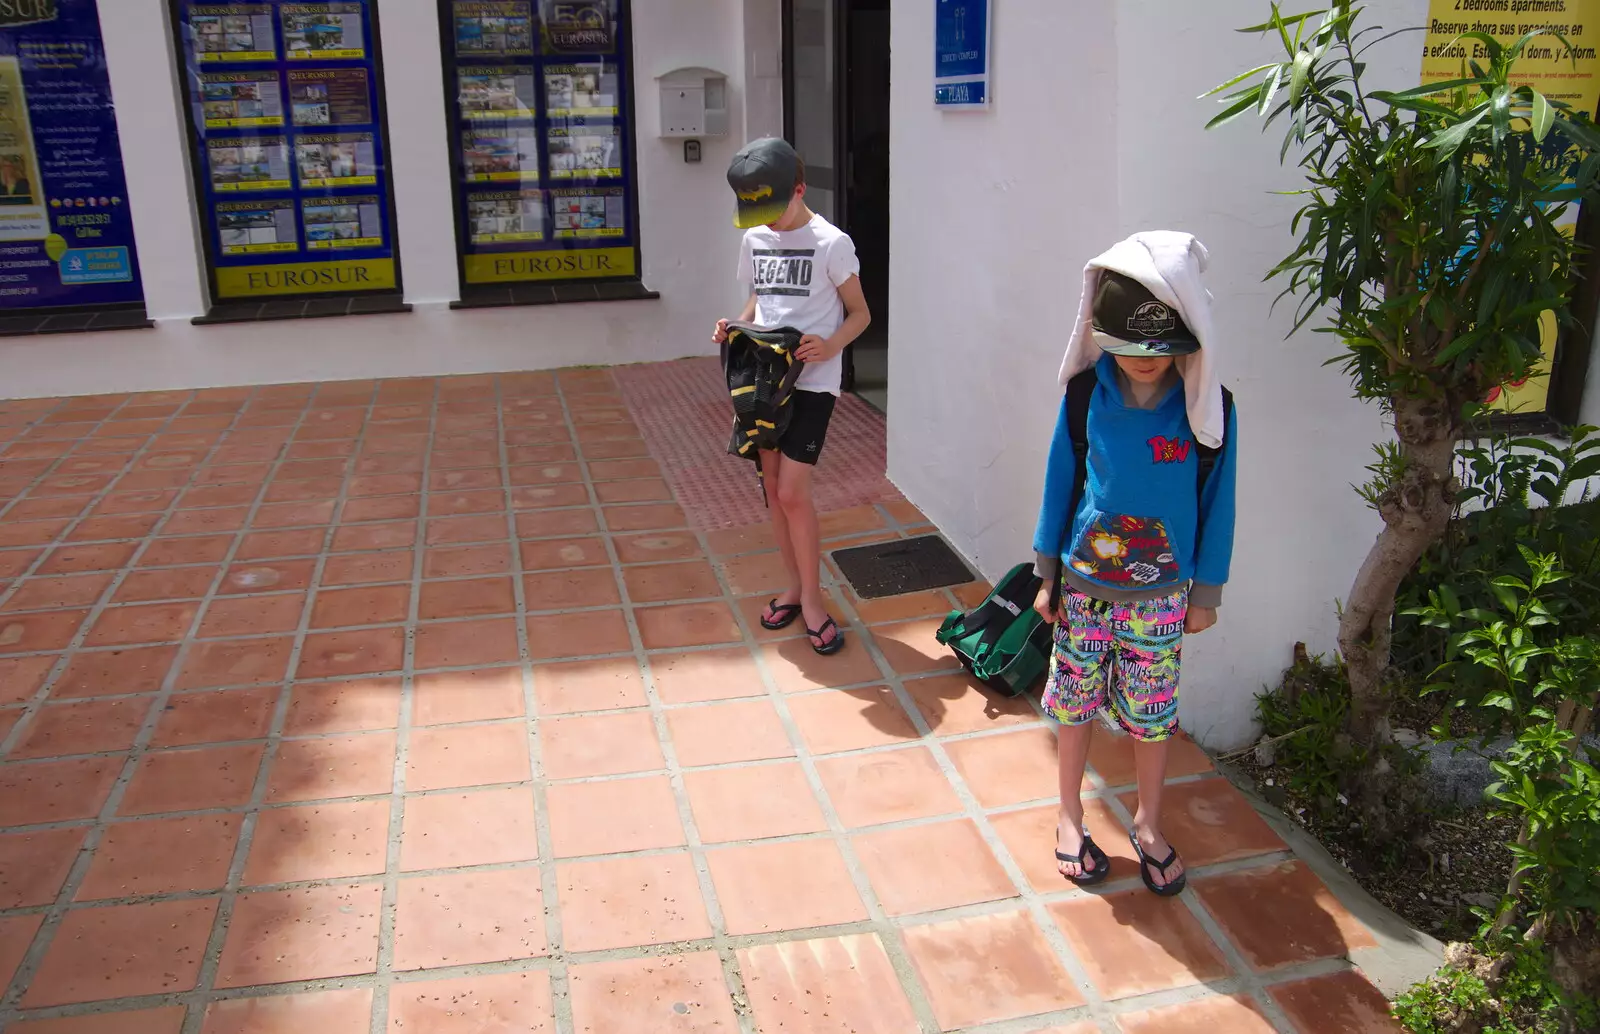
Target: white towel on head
[1169, 263]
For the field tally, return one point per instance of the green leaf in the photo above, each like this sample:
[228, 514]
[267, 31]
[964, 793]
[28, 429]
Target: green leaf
[1237, 108]
[1297, 79]
[1543, 116]
[1459, 346]
[1500, 112]
[1269, 89]
[1241, 77]
[1450, 140]
[1279, 21]
[1429, 90]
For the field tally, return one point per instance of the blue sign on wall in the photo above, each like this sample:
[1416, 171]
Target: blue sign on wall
[66, 235]
[961, 54]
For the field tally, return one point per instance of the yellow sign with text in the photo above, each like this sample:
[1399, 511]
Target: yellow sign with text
[1568, 72]
[294, 278]
[509, 267]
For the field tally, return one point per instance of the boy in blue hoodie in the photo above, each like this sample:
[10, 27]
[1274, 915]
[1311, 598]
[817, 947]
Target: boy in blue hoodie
[1142, 550]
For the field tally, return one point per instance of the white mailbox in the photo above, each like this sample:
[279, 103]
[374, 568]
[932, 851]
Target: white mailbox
[694, 102]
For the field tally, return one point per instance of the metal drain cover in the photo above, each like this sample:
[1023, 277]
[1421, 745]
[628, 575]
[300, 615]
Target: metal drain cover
[902, 566]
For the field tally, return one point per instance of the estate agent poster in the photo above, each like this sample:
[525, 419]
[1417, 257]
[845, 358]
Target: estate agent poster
[540, 136]
[286, 112]
[66, 235]
[1560, 72]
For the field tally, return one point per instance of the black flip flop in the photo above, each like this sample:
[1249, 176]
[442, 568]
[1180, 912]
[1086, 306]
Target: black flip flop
[829, 646]
[1165, 890]
[784, 614]
[1089, 877]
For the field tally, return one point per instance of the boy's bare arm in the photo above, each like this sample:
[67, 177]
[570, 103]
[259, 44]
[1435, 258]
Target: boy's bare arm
[856, 320]
[747, 316]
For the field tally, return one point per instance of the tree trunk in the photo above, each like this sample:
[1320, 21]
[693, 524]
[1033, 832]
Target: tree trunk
[1416, 508]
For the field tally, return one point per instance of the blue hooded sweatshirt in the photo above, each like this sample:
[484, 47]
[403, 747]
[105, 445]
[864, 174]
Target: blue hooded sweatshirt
[1134, 535]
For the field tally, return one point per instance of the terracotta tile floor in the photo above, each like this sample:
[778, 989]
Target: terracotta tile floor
[440, 705]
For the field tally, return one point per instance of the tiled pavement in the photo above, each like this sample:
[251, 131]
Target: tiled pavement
[418, 706]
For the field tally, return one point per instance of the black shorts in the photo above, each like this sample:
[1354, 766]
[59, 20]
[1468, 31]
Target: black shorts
[808, 427]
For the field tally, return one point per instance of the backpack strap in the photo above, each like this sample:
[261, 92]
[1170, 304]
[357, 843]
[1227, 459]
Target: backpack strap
[1208, 462]
[1080, 393]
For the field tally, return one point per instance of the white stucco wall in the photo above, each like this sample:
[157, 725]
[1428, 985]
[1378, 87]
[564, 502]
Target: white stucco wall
[685, 214]
[1095, 134]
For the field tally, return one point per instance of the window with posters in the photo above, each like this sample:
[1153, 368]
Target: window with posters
[541, 131]
[1563, 65]
[67, 256]
[286, 120]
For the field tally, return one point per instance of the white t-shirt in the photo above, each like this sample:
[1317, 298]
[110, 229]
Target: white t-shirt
[796, 276]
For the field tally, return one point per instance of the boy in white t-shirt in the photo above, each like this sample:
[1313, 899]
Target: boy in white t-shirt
[802, 273]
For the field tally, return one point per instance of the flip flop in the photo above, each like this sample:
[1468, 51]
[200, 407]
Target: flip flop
[783, 615]
[1089, 877]
[1165, 890]
[830, 646]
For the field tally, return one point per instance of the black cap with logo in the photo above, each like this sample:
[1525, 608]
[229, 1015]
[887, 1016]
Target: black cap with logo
[763, 177]
[1129, 320]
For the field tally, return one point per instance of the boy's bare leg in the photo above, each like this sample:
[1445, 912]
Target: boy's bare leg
[1072, 754]
[772, 464]
[1150, 760]
[805, 547]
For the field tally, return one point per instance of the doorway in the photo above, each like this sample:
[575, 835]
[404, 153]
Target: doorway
[836, 113]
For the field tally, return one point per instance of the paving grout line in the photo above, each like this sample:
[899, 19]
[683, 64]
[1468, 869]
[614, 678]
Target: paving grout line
[549, 880]
[1123, 883]
[86, 513]
[227, 900]
[77, 442]
[642, 657]
[693, 844]
[833, 543]
[378, 983]
[515, 509]
[1245, 975]
[22, 431]
[1032, 903]
[837, 832]
[46, 934]
[129, 567]
[1102, 792]
[389, 909]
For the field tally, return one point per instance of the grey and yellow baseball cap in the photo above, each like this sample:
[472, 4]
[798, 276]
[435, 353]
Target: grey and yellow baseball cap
[763, 177]
[1129, 320]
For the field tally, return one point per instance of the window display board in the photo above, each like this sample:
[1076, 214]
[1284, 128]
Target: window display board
[541, 130]
[66, 233]
[290, 157]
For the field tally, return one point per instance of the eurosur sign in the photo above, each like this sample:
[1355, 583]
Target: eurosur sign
[26, 12]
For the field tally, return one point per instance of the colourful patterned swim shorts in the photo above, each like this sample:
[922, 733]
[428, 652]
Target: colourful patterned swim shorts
[1124, 657]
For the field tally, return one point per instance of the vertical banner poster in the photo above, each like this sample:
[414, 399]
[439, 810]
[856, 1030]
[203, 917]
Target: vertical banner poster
[290, 153]
[66, 235]
[1548, 65]
[540, 139]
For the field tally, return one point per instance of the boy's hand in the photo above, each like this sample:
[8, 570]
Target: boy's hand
[1041, 603]
[1199, 619]
[721, 333]
[813, 349]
